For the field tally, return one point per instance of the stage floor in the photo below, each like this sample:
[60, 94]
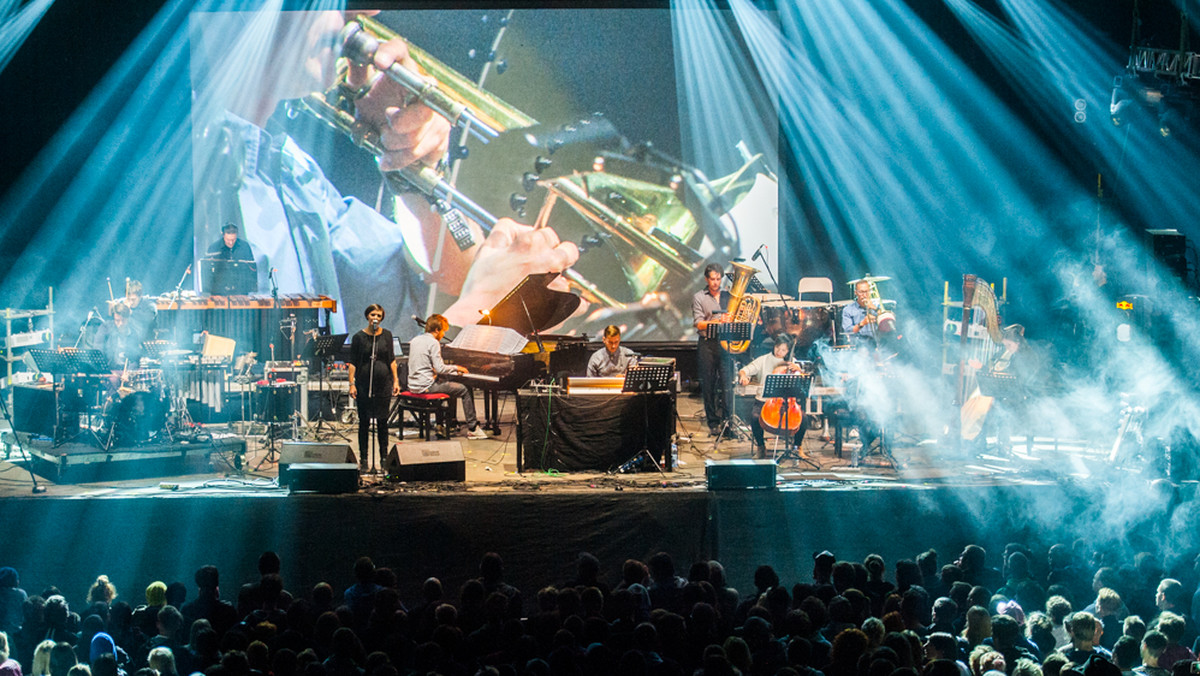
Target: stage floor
[240, 461]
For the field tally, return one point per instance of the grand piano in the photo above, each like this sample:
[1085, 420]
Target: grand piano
[506, 348]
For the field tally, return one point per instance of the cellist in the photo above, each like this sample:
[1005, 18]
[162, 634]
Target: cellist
[777, 361]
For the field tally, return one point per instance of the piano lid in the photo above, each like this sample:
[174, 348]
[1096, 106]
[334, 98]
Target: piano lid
[531, 300]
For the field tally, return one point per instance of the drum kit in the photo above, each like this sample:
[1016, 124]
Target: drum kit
[149, 405]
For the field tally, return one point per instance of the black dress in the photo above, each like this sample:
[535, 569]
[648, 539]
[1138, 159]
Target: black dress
[373, 380]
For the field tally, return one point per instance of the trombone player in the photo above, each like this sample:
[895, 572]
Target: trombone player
[859, 319]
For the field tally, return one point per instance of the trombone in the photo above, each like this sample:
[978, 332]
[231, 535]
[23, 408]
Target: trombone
[449, 94]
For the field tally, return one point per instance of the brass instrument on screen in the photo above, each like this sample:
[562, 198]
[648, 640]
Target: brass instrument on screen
[447, 93]
[742, 306]
[654, 234]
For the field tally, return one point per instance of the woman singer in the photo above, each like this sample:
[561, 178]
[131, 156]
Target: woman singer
[373, 382]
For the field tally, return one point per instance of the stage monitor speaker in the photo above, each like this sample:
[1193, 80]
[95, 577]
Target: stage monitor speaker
[292, 452]
[323, 477]
[426, 461]
[739, 474]
[35, 410]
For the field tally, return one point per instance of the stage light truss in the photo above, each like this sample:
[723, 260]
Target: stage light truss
[1166, 63]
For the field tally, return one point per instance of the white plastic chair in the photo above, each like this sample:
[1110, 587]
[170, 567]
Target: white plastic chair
[819, 289]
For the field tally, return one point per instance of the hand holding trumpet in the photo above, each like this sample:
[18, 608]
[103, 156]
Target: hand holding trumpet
[408, 133]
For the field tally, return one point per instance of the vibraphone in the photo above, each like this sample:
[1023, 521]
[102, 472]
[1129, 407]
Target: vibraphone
[254, 322]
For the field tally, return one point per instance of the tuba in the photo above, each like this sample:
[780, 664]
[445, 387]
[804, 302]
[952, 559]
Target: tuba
[742, 307]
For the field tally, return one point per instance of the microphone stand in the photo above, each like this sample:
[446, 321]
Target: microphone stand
[179, 288]
[371, 426]
[787, 311]
[16, 435]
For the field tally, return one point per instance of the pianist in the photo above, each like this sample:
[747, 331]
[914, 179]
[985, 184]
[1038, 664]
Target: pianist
[428, 373]
[612, 360]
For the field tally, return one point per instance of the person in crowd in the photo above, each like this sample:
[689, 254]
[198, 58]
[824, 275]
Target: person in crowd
[102, 591]
[62, 658]
[12, 601]
[1171, 597]
[1174, 627]
[1083, 628]
[8, 666]
[1126, 654]
[1152, 647]
[40, 665]
[360, 596]
[208, 604]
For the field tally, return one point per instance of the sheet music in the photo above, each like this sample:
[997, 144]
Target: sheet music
[493, 339]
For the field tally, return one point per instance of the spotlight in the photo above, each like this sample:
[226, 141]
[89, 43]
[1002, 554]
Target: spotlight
[1080, 111]
[1118, 110]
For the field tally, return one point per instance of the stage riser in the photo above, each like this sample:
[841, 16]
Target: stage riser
[80, 463]
[133, 540]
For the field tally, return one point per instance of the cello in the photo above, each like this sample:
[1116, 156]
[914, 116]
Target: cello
[781, 417]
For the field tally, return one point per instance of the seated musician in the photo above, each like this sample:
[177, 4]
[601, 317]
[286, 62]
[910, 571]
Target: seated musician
[612, 360]
[118, 341]
[141, 314]
[1012, 360]
[428, 373]
[758, 370]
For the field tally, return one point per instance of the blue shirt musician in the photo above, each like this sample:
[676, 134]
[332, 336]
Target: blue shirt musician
[859, 318]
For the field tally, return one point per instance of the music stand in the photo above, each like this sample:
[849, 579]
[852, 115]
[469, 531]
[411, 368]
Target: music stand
[789, 386]
[226, 277]
[730, 332]
[324, 349]
[646, 379]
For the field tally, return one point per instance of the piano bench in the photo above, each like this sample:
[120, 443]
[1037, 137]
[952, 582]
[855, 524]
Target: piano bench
[423, 406]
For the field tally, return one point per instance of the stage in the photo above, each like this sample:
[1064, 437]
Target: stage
[225, 512]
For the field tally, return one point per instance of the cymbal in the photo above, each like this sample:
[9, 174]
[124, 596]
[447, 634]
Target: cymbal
[763, 297]
[870, 278]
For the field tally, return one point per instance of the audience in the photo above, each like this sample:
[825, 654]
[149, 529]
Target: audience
[850, 620]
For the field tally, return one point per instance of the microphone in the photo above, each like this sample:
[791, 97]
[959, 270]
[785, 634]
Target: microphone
[758, 252]
[420, 322]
